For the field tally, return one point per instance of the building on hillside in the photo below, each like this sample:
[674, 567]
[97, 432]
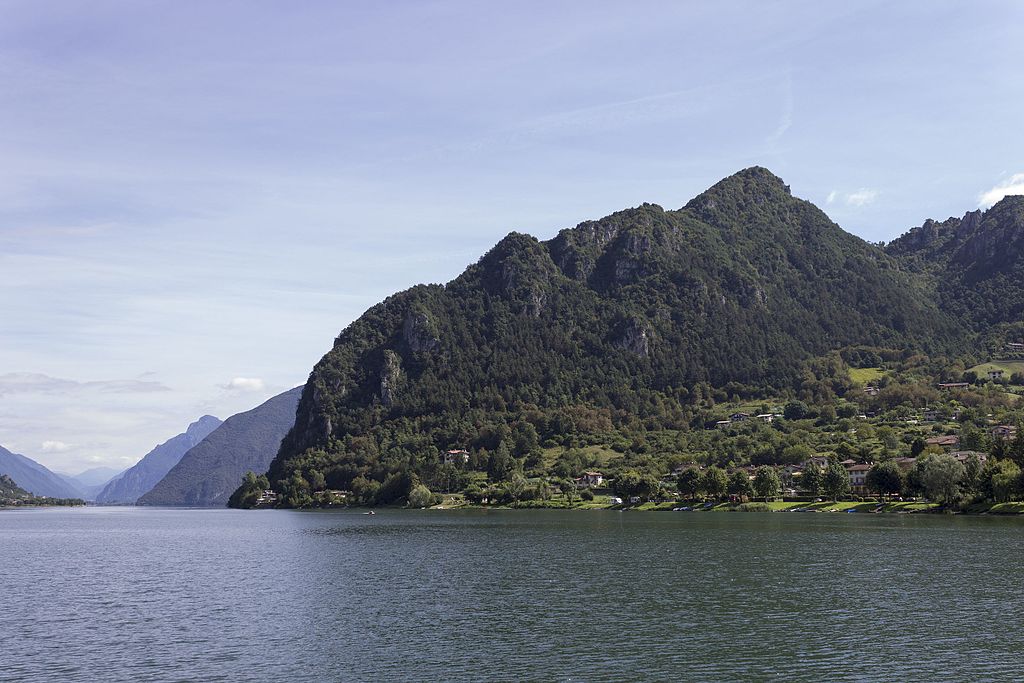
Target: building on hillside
[767, 418]
[964, 456]
[954, 385]
[267, 497]
[871, 390]
[1004, 432]
[739, 417]
[906, 464]
[858, 474]
[458, 457]
[591, 479]
[931, 415]
[995, 374]
[820, 460]
[945, 441]
[722, 424]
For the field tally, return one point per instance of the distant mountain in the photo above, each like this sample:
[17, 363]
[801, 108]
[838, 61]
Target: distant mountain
[95, 475]
[628, 320]
[35, 478]
[92, 481]
[140, 478]
[211, 470]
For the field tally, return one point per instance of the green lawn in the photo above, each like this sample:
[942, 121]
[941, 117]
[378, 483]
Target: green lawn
[603, 455]
[1008, 367]
[866, 375]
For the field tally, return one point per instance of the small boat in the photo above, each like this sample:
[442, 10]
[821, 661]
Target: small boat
[371, 512]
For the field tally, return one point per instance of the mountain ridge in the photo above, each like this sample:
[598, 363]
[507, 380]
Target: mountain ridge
[127, 487]
[742, 288]
[206, 475]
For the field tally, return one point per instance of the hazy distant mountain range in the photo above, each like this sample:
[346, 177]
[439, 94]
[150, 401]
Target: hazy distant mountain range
[34, 478]
[211, 470]
[126, 488]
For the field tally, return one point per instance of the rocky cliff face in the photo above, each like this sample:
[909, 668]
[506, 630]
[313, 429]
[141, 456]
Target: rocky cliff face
[976, 263]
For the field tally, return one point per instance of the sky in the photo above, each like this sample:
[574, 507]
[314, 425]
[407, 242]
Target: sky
[197, 197]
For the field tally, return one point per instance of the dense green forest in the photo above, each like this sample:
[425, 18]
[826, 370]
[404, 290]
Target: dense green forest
[621, 343]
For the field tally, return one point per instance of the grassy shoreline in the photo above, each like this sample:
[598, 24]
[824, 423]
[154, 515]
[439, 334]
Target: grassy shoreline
[850, 507]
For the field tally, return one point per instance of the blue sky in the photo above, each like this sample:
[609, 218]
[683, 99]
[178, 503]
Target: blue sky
[196, 197]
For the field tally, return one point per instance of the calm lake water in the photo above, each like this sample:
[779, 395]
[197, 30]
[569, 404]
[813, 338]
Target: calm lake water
[142, 594]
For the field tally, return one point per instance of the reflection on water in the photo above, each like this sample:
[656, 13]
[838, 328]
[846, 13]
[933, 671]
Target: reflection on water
[150, 594]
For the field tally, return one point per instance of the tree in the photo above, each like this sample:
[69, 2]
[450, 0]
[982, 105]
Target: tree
[715, 482]
[568, 487]
[972, 474]
[515, 489]
[499, 464]
[796, 454]
[885, 478]
[941, 476]
[767, 483]
[626, 484]
[689, 482]
[836, 481]
[1015, 450]
[420, 496]
[812, 478]
[739, 484]
[795, 410]
[524, 439]
[1005, 484]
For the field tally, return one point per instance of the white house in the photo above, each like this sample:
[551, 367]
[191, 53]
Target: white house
[458, 457]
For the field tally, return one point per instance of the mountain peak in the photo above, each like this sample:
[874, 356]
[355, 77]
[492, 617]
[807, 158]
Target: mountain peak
[751, 186]
[206, 422]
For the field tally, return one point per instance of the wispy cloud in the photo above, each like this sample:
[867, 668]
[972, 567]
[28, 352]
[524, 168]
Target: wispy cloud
[54, 446]
[245, 384]
[37, 383]
[861, 197]
[1013, 185]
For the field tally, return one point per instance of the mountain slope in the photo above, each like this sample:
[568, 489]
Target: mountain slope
[623, 321]
[975, 264]
[35, 478]
[141, 477]
[211, 470]
[10, 491]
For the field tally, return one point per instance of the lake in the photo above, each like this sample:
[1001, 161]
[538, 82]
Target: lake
[144, 594]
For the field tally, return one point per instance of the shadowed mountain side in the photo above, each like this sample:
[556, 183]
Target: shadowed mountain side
[34, 478]
[211, 470]
[126, 488]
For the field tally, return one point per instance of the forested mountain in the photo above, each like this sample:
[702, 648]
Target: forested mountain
[211, 470]
[9, 490]
[621, 323]
[974, 264]
[141, 477]
[35, 478]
